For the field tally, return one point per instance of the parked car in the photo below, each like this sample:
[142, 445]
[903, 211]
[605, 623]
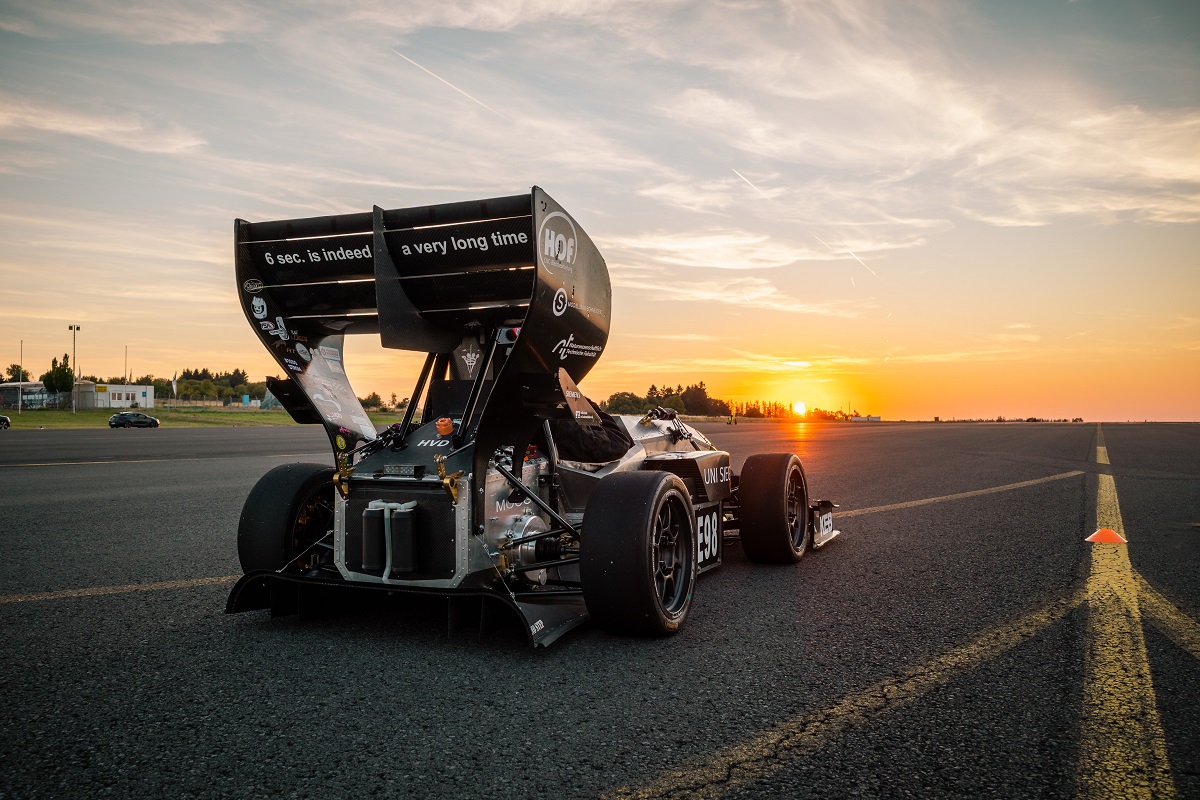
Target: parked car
[4, 422]
[132, 419]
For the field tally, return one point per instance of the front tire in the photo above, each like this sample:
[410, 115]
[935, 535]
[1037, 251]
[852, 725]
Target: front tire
[288, 511]
[637, 554]
[773, 509]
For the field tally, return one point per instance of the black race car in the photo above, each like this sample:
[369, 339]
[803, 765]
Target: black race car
[469, 496]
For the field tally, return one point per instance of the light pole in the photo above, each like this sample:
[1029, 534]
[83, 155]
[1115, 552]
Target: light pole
[74, 329]
[21, 377]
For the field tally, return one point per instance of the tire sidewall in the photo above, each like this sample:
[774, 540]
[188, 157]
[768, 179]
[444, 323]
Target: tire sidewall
[269, 514]
[806, 536]
[618, 560]
[763, 508]
[671, 492]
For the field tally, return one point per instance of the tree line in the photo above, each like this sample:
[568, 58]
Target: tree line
[694, 399]
[192, 383]
[197, 383]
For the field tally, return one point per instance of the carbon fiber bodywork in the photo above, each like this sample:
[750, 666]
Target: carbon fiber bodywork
[511, 302]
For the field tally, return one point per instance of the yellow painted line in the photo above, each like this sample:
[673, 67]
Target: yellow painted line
[1178, 626]
[96, 591]
[960, 496]
[1122, 747]
[759, 756]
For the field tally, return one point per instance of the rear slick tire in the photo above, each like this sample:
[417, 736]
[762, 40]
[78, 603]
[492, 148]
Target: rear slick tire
[287, 512]
[637, 553]
[773, 509]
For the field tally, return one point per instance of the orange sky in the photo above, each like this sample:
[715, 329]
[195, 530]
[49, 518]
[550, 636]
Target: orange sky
[941, 209]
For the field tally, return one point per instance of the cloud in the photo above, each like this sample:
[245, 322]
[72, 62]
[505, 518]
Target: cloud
[737, 361]
[1105, 164]
[155, 22]
[28, 119]
[757, 293]
[717, 248]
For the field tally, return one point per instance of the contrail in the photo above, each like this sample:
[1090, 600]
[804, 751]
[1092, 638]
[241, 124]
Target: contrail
[451, 85]
[760, 191]
[751, 185]
[851, 252]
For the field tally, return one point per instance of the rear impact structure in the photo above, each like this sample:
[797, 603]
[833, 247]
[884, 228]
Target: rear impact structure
[468, 496]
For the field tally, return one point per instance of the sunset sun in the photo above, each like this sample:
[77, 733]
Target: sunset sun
[798, 407]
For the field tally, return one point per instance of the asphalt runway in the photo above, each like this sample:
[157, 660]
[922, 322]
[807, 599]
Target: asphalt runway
[959, 639]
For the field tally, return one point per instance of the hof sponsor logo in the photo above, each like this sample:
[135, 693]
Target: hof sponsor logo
[253, 286]
[569, 347]
[558, 241]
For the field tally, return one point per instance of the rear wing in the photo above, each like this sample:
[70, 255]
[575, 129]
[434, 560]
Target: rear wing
[424, 279]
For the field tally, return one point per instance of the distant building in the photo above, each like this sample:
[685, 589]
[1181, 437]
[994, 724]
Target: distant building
[865, 419]
[33, 395]
[114, 395]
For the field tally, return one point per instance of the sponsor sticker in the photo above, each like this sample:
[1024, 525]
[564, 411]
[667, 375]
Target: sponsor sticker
[280, 329]
[258, 307]
[558, 242]
[470, 357]
[340, 442]
[569, 347]
[253, 285]
[561, 302]
[303, 352]
[717, 475]
[330, 353]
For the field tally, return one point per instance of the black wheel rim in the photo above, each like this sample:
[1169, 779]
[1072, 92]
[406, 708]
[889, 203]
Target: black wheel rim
[795, 510]
[672, 556]
[313, 523]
